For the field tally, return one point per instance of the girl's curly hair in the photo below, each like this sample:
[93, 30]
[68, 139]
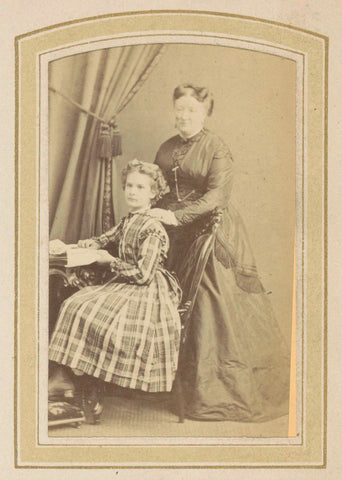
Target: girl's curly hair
[158, 185]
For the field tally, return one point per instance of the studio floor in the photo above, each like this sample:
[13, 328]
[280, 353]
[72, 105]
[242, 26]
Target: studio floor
[154, 417]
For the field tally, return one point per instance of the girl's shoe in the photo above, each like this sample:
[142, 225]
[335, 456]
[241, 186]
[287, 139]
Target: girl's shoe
[93, 406]
[88, 398]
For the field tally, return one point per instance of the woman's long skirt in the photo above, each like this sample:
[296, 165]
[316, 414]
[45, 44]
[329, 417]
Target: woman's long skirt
[236, 365]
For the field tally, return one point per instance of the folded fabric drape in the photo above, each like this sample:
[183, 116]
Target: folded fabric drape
[100, 82]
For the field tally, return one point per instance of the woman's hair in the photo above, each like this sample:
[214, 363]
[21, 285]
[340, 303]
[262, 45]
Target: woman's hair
[202, 94]
[158, 183]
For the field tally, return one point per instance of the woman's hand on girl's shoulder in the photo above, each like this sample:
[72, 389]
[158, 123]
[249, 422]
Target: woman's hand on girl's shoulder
[165, 216]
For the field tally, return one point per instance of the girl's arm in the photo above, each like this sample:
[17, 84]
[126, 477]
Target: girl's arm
[101, 241]
[143, 271]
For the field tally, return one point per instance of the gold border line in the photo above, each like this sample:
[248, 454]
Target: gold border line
[16, 258]
[303, 250]
[160, 12]
[38, 264]
[325, 247]
[299, 53]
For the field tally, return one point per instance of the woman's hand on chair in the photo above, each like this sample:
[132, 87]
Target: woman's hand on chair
[88, 243]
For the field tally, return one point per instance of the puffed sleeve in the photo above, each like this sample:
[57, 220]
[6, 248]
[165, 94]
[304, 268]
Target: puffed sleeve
[151, 248]
[218, 190]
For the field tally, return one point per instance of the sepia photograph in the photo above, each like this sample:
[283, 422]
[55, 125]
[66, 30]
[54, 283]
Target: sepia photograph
[172, 214]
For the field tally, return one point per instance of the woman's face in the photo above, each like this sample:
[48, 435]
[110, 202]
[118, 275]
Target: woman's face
[138, 191]
[189, 115]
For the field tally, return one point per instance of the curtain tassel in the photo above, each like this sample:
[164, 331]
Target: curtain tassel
[115, 138]
[109, 141]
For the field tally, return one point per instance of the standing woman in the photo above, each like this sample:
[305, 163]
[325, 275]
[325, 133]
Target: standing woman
[237, 364]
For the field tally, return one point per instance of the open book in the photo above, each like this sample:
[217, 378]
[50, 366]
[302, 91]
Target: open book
[71, 255]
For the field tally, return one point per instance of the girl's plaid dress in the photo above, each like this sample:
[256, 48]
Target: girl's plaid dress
[127, 331]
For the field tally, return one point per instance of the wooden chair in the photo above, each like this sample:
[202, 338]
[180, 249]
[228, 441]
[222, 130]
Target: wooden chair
[61, 286]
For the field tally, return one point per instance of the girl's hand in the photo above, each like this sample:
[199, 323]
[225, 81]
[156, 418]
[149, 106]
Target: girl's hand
[104, 257]
[88, 243]
[164, 216]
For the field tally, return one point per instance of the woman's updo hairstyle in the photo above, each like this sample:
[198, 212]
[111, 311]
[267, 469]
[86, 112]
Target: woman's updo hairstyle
[158, 184]
[202, 95]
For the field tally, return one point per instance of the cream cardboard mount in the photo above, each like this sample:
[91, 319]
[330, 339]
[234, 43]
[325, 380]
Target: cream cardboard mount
[304, 440]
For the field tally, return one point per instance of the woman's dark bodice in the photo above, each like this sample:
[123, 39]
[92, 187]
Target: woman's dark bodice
[199, 172]
[204, 183]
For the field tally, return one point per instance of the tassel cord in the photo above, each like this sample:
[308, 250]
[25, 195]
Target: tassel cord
[78, 105]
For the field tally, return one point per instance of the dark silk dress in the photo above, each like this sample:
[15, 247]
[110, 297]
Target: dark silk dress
[237, 364]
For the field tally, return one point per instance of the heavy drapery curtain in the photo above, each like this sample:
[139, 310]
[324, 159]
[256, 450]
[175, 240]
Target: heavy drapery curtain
[102, 82]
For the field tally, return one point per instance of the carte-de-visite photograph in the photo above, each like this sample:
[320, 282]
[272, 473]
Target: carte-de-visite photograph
[172, 182]
[178, 192]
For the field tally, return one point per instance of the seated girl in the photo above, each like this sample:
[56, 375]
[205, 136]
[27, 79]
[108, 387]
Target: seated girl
[126, 331]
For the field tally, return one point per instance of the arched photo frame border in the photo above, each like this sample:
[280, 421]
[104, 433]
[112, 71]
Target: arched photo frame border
[33, 51]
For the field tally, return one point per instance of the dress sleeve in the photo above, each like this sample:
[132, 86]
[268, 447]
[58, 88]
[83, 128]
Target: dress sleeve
[110, 236]
[219, 187]
[148, 258]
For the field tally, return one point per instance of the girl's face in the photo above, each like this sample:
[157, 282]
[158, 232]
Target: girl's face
[138, 191]
[189, 115]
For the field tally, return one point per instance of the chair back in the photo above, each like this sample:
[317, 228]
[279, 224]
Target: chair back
[202, 248]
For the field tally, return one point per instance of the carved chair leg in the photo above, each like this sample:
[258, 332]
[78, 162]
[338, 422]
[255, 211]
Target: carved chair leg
[179, 398]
